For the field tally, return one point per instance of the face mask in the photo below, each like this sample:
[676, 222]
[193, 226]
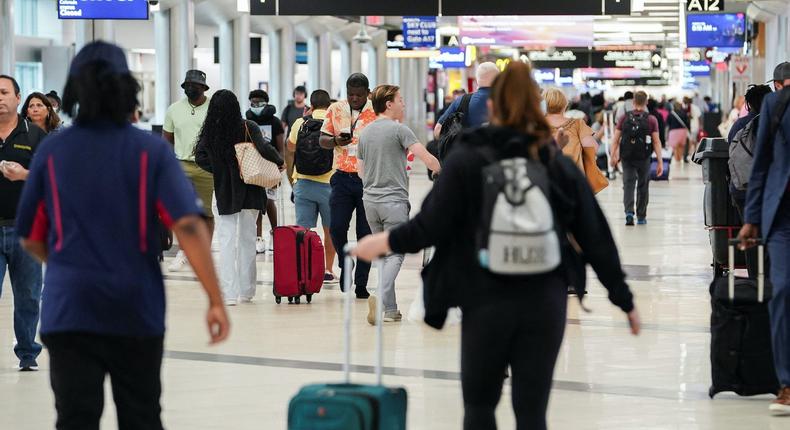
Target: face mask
[257, 110]
[192, 93]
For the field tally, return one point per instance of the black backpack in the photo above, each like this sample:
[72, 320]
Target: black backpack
[310, 158]
[633, 144]
[452, 127]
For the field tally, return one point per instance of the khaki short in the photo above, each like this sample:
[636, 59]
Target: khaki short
[203, 182]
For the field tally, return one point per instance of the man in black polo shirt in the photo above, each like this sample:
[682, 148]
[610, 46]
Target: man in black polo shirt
[18, 141]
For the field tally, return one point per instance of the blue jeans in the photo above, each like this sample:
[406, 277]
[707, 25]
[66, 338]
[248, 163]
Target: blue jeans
[345, 199]
[779, 306]
[312, 198]
[25, 273]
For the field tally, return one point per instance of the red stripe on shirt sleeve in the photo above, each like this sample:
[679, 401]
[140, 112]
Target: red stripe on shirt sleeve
[164, 215]
[56, 202]
[40, 227]
[143, 202]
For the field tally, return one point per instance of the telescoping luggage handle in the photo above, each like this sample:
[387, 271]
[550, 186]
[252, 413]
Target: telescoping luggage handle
[760, 269]
[348, 265]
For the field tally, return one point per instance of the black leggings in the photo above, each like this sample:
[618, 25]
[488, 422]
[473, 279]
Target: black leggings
[524, 333]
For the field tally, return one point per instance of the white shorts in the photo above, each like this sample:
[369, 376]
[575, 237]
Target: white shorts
[271, 193]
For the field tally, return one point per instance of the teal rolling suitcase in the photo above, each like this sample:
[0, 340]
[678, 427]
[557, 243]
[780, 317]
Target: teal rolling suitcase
[350, 406]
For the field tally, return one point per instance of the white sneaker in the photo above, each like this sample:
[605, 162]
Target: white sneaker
[245, 300]
[260, 245]
[178, 262]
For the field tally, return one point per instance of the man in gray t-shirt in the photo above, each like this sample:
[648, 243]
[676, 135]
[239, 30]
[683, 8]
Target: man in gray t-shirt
[382, 152]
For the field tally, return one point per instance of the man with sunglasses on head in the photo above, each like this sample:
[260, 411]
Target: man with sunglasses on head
[183, 122]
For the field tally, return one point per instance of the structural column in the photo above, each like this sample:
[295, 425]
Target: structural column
[313, 64]
[325, 62]
[373, 66]
[83, 34]
[182, 44]
[274, 69]
[393, 70]
[345, 65]
[163, 78]
[103, 30]
[413, 83]
[226, 54]
[287, 52]
[356, 58]
[241, 58]
[380, 58]
[7, 59]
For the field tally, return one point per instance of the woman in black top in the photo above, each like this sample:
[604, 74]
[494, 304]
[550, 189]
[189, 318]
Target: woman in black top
[238, 204]
[507, 321]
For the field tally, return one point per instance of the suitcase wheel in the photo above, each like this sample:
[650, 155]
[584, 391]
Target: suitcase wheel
[290, 300]
[297, 300]
[309, 298]
[278, 299]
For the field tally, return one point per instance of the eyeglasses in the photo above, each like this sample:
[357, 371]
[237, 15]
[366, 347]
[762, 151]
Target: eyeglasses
[258, 104]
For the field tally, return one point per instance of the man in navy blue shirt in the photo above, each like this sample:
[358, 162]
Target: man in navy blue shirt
[90, 209]
[768, 213]
[19, 140]
[478, 107]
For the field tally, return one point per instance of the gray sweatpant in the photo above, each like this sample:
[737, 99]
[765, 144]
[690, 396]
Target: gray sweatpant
[636, 174]
[382, 217]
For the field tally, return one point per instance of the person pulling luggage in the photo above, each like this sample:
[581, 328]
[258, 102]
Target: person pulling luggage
[768, 213]
[513, 298]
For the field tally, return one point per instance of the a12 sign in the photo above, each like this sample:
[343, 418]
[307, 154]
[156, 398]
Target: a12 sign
[704, 5]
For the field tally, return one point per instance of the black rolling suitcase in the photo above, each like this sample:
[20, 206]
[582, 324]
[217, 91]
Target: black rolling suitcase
[740, 347]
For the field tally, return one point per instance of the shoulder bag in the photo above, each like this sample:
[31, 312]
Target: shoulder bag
[587, 159]
[254, 169]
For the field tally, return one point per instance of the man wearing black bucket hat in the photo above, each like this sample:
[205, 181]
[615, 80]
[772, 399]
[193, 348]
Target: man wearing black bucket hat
[183, 122]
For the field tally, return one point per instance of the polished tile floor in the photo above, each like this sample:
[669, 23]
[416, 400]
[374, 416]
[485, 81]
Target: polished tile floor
[605, 378]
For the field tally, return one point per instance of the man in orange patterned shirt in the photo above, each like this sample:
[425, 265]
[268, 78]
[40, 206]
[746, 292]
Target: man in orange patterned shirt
[344, 121]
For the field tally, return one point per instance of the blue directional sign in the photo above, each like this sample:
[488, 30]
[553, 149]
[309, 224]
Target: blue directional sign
[450, 57]
[419, 31]
[103, 9]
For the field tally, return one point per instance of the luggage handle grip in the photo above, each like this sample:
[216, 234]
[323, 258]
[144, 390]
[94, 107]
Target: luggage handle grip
[760, 268]
[736, 242]
[347, 268]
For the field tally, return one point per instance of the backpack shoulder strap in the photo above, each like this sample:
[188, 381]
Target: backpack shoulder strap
[677, 117]
[464, 106]
[779, 110]
[489, 154]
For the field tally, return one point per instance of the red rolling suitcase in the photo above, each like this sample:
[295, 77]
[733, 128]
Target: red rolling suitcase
[298, 263]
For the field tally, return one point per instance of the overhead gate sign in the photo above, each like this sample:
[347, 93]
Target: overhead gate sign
[439, 7]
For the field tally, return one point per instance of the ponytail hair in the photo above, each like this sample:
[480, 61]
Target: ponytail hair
[515, 97]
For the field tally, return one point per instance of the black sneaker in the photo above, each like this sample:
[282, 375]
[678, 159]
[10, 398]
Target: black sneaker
[629, 219]
[362, 293]
[28, 366]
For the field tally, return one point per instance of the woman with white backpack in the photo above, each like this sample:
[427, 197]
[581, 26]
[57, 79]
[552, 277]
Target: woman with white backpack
[499, 215]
